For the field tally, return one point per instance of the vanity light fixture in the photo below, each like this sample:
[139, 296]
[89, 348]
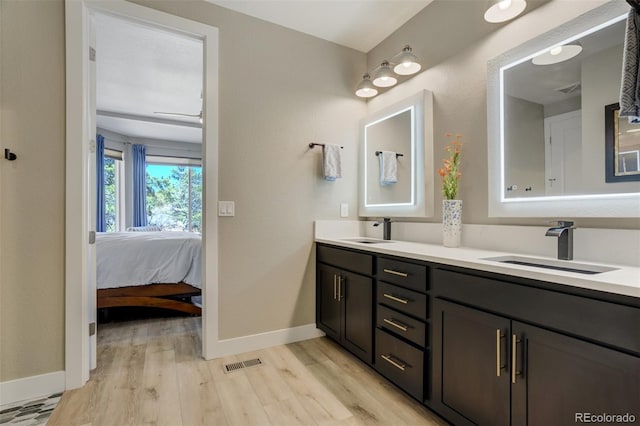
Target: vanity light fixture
[384, 77]
[558, 54]
[386, 74]
[504, 10]
[366, 89]
[407, 62]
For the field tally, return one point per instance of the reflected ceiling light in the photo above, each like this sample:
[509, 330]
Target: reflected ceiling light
[366, 89]
[504, 10]
[558, 54]
[386, 74]
[384, 77]
[407, 62]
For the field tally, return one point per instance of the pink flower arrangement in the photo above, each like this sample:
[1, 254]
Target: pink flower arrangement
[450, 173]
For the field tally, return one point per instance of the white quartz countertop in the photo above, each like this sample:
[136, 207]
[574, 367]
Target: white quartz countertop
[625, 280]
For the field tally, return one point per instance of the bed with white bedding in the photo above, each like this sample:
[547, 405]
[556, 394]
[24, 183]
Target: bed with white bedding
[158, 269]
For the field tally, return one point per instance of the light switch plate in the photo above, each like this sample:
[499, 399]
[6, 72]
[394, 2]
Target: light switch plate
[226, 208]
[344, 210]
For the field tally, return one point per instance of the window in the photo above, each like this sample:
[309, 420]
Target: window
[174, 193]
[113, 190]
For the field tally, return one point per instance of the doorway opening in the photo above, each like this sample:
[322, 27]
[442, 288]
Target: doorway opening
[85, 116]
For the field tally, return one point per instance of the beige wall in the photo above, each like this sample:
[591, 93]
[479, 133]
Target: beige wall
[524, 157]
[279, 90]
[458, 80]
[596, 93]
[32, 188]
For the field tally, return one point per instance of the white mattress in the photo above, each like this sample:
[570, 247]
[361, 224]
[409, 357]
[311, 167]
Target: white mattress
[138, 258]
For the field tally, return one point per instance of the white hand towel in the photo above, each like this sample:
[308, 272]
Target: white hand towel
[332, 162]
[388, 168]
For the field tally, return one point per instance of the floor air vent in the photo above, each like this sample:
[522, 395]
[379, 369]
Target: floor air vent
[235, 366]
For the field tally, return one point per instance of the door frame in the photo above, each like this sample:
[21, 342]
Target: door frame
[76, 203]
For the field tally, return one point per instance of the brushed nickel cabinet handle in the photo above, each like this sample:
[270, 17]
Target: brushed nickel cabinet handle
[392, 362]
[396, 299]
[499, 365]
[334, 287]
[514, 350]
[395, 324]
[339, 288]
[400, 274]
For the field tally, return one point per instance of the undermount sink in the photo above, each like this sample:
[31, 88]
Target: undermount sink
[559, 265]
[365, 240]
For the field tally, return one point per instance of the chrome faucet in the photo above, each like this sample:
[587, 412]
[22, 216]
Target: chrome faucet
[564, 233]
[386, 231]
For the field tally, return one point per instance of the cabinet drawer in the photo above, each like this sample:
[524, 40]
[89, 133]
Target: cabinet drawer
[403, 300]
[346, 259]
[402, 273]
[401, 324]
[400, 362]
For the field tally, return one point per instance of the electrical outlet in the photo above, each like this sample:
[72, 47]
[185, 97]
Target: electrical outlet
[344, 210]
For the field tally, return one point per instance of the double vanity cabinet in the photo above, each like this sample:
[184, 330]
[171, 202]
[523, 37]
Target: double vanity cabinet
[481, 347]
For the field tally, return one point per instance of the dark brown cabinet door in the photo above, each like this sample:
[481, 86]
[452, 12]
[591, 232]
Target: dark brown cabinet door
[357, 324]
[474, 352]
[563, 377]
[328, 306]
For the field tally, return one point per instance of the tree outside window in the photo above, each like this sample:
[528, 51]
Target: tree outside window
[110, 194]
[174, 197]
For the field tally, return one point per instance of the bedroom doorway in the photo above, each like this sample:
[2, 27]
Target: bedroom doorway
[81, 140]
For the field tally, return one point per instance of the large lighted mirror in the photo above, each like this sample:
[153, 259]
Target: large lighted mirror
[547, 131]
[395, 141]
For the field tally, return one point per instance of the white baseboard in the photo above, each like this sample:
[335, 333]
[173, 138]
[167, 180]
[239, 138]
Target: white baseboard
[31, 387]
[254, 342]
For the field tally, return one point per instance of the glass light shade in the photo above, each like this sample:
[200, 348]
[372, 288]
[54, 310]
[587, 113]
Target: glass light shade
[366, 89]
[504, 10]
[384, 77]
[407, 63]
[558, 54]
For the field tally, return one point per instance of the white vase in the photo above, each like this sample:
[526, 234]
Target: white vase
[451, 222]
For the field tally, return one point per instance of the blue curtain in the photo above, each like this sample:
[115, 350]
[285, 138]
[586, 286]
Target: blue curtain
[101, 218]
[139, 185]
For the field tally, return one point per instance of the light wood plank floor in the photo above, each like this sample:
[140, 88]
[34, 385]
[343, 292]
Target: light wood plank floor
[151, 372]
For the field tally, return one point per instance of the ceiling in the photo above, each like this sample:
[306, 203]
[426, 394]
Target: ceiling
[358, 24]
[142, 70]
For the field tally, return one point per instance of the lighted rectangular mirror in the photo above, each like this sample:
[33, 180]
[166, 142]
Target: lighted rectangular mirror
[404, 132]
[546, 122]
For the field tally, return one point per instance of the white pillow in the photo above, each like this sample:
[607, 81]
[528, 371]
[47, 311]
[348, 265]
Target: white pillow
[144, 229]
